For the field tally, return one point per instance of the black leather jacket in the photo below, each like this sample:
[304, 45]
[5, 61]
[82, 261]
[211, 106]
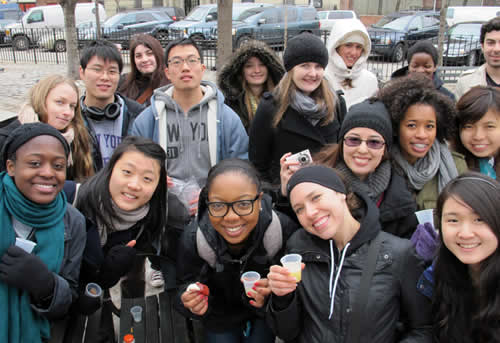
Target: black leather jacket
[393, 298]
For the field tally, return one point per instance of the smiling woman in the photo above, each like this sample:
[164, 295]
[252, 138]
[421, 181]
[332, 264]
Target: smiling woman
[39, 286]
[234, 224]
[54, 100]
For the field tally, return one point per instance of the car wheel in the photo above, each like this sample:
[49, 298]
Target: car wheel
[60, 46]
[399, 53]
[242, 41]
[21, 43]
[162, 36]
[471, 59]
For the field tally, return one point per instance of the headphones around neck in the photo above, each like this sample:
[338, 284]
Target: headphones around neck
[110, 112]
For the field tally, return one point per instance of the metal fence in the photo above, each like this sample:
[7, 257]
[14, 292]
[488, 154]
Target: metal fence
[48, 46]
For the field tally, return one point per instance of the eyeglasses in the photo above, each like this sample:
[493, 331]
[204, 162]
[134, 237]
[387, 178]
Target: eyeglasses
[370, 143]
[240, 207]
[191, 61]
[101, 71]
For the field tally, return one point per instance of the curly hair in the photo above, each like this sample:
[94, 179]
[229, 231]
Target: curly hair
[471, 107]
[465, 311]
[401, 93]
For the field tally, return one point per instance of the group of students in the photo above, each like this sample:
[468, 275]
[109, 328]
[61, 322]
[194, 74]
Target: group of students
[378, 156]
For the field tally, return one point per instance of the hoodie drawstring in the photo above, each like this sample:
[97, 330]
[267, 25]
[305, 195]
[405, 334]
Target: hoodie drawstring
[332, 266]
[199, 133]
[179, 126]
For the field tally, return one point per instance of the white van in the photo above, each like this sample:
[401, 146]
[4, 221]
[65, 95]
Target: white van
[460, 14]
[43, 19]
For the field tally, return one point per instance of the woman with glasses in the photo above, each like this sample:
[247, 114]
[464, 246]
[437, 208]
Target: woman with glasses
[362, 158]
[422, 119]
[236, 231]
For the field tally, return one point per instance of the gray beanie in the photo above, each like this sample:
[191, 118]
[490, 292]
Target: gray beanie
[303, 48]
[370, 114]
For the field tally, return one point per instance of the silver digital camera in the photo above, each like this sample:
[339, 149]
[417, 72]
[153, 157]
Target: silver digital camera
[303, 157]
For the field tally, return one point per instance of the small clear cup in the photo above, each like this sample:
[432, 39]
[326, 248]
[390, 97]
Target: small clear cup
[93, 290]
[249, 279]
[136, 312]
[293, 262]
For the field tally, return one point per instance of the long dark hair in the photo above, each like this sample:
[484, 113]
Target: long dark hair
[471, 107]
[464, 312]
[94, 198]
[130, 87]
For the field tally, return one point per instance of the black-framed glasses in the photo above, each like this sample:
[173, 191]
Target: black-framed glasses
[240, 207]
[177, 62]
[371, 143]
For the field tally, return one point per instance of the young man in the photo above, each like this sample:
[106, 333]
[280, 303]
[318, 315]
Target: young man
[108, 115]
[189, 119]
[489, 73]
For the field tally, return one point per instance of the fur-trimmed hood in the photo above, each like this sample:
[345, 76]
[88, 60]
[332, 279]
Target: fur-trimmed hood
[230, 78]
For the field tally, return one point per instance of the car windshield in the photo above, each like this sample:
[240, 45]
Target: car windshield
[394, 23]
[466, 30]
[197, 14]
[113, 20]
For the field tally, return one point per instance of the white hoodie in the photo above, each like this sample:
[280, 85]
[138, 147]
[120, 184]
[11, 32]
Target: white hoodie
[364, 83]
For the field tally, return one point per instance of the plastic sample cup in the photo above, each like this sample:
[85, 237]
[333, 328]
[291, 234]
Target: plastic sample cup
[136, 312]
[249, 279]
[293, 262]
[93, 290]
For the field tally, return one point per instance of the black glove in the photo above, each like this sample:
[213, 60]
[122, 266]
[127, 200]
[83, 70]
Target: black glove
[88, 305]
[27, 272]
[118, 262]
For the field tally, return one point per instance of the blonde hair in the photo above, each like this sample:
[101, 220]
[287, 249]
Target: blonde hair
[83, 166]
[323, 95]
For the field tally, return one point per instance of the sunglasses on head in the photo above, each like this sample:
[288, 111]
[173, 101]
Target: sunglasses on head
[371, 143]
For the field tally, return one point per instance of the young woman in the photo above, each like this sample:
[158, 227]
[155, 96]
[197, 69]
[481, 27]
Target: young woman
[349, 46]
[38, 287]
[422, 119]
[124, 205]
[479, 129]
[300, 114]
[423, 58]
[362, 158]
[465, 301]
[252, 70]
[147, 69]
[54, 100]
[236, 231]
[333, 302]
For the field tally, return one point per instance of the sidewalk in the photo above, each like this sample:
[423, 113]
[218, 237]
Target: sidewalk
[17, 79]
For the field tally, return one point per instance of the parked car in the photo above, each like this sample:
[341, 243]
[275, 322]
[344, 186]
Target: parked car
[461, 44]
[201, 23]
[122, 26]
[40, 21]
[55, 39]
[392, 35]
[176, 13]
[268, 24]
[328, 19]
[461, 14]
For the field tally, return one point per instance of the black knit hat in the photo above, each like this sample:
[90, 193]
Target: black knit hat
[26, 132]
[370, 114]
[303, 48]
[322, 175]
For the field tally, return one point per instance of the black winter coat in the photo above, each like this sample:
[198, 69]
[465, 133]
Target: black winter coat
[397, 209]
[294, 133]
[228, 306]
[393, 298]
[438, 83]
[130, 111]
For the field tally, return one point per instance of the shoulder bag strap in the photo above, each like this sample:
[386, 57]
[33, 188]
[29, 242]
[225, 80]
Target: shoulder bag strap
[364, 290]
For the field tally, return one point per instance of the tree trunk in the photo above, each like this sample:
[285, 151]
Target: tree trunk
[97, 20]
[398, 4]
[380, 6]
[73, 59]
[465, 2]
[442, 30]
[224, 31]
